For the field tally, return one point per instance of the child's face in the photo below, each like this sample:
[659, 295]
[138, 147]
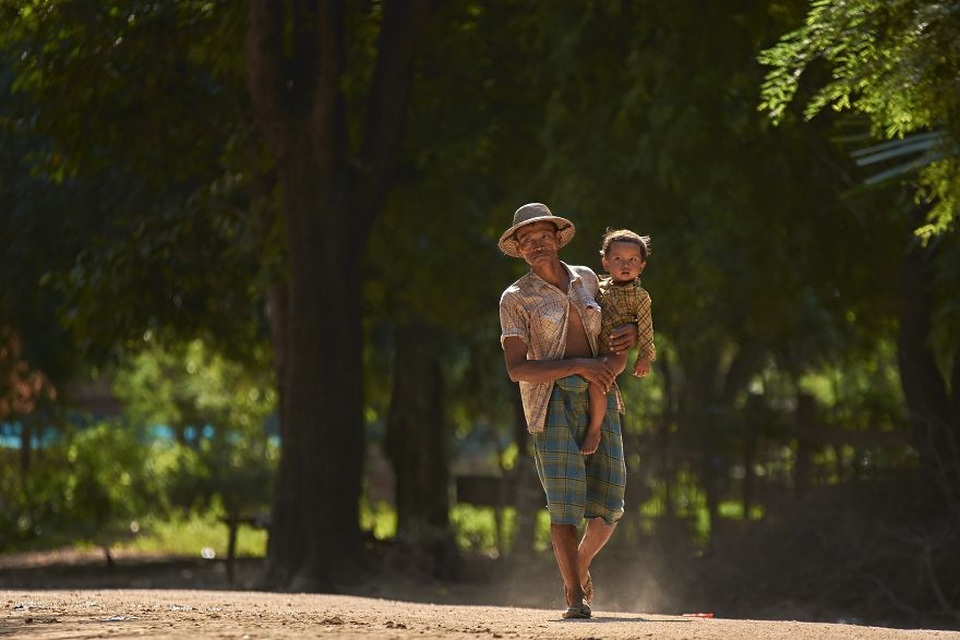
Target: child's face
[624, 261]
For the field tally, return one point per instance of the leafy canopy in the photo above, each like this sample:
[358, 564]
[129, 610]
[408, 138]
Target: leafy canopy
[894, 61]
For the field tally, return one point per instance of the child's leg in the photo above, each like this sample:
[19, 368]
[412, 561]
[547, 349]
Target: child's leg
[598, 409]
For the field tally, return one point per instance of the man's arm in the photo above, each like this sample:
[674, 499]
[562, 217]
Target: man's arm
[596, 370]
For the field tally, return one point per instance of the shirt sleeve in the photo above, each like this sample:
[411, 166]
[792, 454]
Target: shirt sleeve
[647, 349]
[513, 321]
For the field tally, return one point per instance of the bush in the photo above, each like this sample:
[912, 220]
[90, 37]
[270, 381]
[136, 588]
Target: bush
[88, 488]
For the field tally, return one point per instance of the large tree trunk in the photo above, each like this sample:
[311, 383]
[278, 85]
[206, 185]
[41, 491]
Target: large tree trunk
[295, 64]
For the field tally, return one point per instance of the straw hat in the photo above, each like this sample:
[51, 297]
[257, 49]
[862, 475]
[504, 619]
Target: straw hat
[528, 214]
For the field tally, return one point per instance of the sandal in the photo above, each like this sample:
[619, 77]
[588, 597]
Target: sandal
[588, 590]
[581, 611]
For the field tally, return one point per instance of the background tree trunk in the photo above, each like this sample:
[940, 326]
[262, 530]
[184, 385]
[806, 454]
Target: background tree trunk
[528, 498]
[26, 447]
[935, 415]
[418, 445]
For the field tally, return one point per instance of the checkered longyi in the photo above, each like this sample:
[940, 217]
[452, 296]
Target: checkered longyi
[579, 486]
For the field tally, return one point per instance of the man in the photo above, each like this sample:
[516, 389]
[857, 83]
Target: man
[549, 322]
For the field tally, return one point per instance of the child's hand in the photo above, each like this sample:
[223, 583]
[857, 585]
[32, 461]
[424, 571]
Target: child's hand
[641, 367]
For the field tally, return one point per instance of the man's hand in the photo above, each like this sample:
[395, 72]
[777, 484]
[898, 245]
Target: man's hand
[623, 338]
[597, 371]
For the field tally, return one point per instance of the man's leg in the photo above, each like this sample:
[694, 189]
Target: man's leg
[564, 539]
[595, 536]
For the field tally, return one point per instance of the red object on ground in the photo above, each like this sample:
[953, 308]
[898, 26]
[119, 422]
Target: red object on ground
[698, 614]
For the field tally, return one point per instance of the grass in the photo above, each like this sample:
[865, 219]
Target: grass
[194, 536]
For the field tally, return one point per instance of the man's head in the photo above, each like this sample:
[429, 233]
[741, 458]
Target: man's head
[529, 214]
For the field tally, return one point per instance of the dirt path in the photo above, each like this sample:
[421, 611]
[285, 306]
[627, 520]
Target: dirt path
[177, 613]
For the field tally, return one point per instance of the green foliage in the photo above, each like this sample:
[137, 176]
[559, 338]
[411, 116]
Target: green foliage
[863, 395]
[192, 389]
[186, 479]
[895, 62]
[87, 488]
[28, 206]
[379, 518]
[124, 125]
[476, 527]
[190, 535]
[111, 480]
[153, 64]
[192, 384]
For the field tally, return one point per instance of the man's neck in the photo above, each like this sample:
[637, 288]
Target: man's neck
[554, 273]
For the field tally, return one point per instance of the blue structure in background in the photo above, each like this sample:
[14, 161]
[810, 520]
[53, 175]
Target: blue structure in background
[11, 435]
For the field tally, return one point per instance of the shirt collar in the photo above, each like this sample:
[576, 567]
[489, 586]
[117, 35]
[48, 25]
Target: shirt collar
[540, 282]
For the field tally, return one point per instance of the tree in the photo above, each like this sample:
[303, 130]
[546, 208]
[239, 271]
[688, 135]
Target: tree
[333, 176]
[893, 62]
[21, 389]
[218, 412]
[896, 63]
[130, 220]
[135, 223]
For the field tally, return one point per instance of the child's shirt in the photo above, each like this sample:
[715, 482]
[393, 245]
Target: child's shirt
[626, 303]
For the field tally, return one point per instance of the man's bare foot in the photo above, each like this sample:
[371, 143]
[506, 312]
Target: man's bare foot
[590, 442]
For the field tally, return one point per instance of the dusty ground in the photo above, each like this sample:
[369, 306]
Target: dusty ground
[249, 614]
[63, 598]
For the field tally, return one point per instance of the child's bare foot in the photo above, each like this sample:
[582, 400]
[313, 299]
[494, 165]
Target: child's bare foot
[590, 442]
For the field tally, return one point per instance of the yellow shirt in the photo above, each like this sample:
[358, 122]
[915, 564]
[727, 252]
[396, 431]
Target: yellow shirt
[629, 303]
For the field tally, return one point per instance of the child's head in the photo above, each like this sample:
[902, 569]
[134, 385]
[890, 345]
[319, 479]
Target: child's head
[624, 253]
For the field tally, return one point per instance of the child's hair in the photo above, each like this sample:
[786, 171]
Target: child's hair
[624, 235]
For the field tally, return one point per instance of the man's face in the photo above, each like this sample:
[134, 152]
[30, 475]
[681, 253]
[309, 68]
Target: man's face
[538, 241]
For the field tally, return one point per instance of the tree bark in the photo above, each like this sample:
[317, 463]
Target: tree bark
[528, 498]
[295, 63]
[418, 445]
[698, 419]
[278, 311]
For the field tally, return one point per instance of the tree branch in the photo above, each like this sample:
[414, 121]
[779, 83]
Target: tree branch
[264, 46]
[403, 24]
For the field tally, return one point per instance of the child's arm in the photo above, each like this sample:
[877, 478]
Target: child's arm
[647, 351]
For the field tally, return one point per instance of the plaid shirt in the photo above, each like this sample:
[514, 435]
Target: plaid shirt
[623, 304]
[537, 312]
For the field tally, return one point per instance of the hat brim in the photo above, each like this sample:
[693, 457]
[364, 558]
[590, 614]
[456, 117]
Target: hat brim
[508, 244]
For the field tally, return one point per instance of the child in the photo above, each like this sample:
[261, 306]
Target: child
[623, 254]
